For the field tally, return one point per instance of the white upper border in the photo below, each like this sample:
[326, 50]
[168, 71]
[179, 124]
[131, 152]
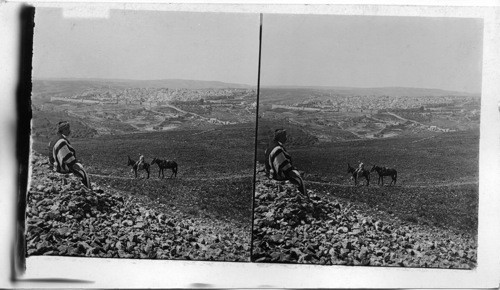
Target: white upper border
[448, 3]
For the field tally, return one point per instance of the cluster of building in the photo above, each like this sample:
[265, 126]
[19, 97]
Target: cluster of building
[158, 95]
[371, 104]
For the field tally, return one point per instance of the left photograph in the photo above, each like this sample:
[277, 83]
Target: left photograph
[143, 135]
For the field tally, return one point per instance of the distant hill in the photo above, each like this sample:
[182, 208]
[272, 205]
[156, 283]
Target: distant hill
[78, 84]
[382, 91]
[74, 84]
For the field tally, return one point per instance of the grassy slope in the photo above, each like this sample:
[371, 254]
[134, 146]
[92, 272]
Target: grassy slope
[449, 157]
[437, 177]
[215, 168]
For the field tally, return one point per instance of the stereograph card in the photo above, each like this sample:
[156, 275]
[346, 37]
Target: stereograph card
[250, 145]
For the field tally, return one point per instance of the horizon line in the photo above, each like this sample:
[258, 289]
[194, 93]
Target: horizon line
[262, 86]
[371, 87]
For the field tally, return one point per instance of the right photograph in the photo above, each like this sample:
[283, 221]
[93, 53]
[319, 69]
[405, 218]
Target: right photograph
[368, 141]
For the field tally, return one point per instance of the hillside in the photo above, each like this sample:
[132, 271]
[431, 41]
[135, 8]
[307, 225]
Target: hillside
[65, 219]
[101, 107]
[331, 116]
[331, 231]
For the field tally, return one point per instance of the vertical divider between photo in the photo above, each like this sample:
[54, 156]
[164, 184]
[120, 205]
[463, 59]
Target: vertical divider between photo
[256, 134]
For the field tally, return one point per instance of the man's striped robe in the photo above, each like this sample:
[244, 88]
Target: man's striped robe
[279, 162]
[64, 158]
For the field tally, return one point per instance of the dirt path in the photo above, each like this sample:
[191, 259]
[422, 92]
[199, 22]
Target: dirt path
[403, 119]
[445, 184]
[234, 176]
[238, 176]
[194, 114]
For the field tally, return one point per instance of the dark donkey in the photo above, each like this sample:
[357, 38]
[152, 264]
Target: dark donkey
[384, 171]
[355, 174]
[143, 166]
[165, 164]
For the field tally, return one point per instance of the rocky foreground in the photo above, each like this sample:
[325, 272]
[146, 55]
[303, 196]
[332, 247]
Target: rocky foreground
[288, 229]
[65, 219]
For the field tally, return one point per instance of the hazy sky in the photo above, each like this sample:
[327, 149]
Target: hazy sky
[310, 50]
[368, 51]
[147, 45]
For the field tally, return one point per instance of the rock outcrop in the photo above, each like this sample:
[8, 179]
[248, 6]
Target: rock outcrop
[329, 231]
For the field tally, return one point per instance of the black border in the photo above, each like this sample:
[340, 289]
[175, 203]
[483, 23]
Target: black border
[23, 130]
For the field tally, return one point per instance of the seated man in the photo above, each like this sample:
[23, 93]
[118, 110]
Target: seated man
[63, 157]
[278, 163]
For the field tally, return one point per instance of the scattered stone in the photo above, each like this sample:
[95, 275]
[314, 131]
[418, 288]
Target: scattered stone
[290, 229]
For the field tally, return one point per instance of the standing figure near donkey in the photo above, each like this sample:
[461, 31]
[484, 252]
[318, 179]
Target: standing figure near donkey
[62, 156]
[278, 162]
[140, 162]
[138, 165]
[358, 172]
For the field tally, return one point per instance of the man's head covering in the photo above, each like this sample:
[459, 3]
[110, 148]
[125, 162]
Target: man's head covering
[279, 134]
[62, 125]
